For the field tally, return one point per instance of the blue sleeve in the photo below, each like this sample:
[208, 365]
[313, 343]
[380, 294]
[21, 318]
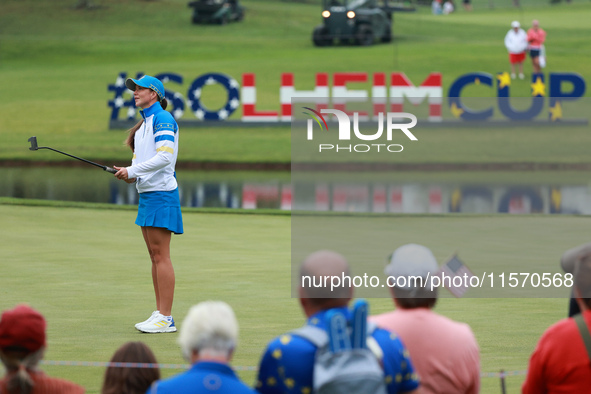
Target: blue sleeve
[399, 372]
[163, 120]
[268, 381]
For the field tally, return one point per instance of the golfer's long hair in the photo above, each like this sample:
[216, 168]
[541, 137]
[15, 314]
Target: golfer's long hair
[130, 140]
[126, 380]
[18, 368]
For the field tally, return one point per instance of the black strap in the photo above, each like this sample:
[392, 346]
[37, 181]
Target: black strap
[584, 330]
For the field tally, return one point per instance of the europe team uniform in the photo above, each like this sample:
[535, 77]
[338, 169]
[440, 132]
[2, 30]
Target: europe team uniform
[153, 163]
[288, 362]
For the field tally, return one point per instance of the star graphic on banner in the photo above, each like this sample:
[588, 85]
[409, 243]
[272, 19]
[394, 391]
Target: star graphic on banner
[178, 113]
[456, 111]
[538, 88]
[199, 114]
[504, 80]
[210, 81]
[120, 81]
[556, 112]
[119, 102]
[131, 112]
[234, 103]
[233, 83]
[223, 114]
[197, 93]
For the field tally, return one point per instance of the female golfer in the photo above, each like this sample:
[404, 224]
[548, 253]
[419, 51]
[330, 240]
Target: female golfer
[154, 141]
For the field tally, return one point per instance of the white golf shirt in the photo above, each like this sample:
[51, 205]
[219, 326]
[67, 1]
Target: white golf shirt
[516, 42]
[156, 151]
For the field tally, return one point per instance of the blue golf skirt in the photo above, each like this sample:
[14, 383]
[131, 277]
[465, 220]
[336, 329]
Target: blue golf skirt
[160, 209]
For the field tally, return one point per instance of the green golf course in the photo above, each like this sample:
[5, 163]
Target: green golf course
[85, 265]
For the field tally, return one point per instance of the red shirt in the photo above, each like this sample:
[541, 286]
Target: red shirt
[536, 38]
[560, 363]
[47, 385]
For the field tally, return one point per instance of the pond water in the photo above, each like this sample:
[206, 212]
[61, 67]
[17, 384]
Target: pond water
[401, 192]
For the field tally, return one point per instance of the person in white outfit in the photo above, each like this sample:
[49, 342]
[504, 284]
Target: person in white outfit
[516, 44]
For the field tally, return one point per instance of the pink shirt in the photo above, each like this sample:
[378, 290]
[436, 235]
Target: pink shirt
[536, 38]
[444, 353]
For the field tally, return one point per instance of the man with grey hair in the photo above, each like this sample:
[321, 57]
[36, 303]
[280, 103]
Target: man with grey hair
[561, 360]
[444, 352]
[208, 337]
[288, 363]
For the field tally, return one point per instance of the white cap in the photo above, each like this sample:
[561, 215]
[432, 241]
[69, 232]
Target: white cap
[412, 260]
[515, 24]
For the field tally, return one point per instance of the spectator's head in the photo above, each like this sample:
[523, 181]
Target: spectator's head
[131, 380]
[535, 23]
[570, 257]
[515, 25]
[209, 332]
[324, 282]
[409, 268]
[582, 283]
[22, 343]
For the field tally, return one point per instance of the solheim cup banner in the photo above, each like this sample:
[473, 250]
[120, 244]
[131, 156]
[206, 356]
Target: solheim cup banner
[381, 92]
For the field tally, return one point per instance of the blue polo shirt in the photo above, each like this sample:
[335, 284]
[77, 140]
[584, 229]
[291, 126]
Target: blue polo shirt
[287, 365]
[203, 377]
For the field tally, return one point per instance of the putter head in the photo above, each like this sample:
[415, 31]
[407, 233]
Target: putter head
[33, 141]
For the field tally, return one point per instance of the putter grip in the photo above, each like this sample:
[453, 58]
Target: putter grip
[109, 169]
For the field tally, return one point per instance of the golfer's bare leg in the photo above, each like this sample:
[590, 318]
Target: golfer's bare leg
[159, 240]
[154, 272]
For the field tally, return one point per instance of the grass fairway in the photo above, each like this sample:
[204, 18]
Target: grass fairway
[86, 269]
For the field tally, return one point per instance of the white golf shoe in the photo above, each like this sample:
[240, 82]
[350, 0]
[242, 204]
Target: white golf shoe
[152, 316]
[158, 324]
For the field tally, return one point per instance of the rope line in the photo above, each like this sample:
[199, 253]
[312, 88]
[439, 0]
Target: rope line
[501, 374]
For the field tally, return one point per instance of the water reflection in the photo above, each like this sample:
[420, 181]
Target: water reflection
[566, 193]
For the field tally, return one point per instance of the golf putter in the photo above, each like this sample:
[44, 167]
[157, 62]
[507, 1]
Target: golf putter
[34, 146]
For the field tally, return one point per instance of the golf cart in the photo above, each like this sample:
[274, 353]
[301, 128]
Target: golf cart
[216, 11]
[357, 21]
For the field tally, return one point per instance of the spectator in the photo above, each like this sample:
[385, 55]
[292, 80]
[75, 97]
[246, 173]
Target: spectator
[536, 37]
[567, 262]
[208, 338]
[127, 380]
[448, 7]
[22, 345]
[561, 362]
[467, 5]
[444, 352]
[516, 44]
[287, 365]
[436, 7]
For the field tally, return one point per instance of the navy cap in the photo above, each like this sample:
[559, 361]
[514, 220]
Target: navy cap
[147, 82]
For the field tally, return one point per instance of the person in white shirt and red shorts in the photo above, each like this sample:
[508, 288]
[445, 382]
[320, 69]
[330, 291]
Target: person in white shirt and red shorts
[516, 44]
